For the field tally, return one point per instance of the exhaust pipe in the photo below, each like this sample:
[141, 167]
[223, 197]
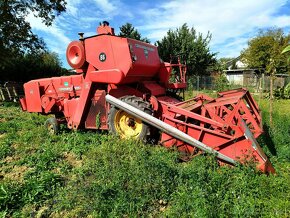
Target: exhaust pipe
[166, 128]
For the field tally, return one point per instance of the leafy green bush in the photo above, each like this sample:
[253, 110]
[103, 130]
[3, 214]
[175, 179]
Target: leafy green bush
[221, 82]
[282, 92]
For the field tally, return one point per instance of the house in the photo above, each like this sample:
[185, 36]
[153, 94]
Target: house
[244, 77]
[238, 74]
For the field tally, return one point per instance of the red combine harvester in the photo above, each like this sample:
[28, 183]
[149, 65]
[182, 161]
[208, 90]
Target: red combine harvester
[123, 86]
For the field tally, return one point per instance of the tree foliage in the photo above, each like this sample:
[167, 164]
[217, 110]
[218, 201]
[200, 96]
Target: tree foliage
[18, 44]
[264, 50]
[287, 50]
[193, 46]
[16, 32]
[32, 66]
[129, 31]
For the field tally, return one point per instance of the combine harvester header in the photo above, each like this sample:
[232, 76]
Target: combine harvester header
[123, 86]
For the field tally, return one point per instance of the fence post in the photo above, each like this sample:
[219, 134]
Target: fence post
[260, 89]
[197, 84]
[9, 94]
[2, 98]
[263, 82]
[14, 91]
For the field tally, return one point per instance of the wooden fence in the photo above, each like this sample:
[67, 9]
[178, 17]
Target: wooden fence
[11, 91]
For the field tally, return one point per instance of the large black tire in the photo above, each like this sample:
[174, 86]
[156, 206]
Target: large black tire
[127, 126]
[173, 93]
[52, 125]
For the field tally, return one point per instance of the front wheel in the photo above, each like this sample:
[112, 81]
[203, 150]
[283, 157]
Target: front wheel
[52, 125]
[127, 126]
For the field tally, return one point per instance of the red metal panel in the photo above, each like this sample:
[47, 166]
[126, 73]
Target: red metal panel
[32, 96]
[69, 107]
[167, 99]
[23, 104]
[164, 73]
[99, 53]
[113, 76]
[196, 116]
[146, 61]
[177, 85]
[97, 117]
[122, 90]
[154, 88]
[135, 59]
[75, 120]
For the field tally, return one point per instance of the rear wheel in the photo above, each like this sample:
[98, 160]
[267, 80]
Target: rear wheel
[52, 125]
[126, 125]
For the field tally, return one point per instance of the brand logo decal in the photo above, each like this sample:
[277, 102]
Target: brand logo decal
[146, 49]
[102, 57]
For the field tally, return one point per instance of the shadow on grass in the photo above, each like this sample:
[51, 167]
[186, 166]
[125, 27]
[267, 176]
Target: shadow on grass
[268, 140]
[10, 104]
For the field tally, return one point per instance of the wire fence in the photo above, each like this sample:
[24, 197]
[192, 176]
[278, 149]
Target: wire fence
[255, 83]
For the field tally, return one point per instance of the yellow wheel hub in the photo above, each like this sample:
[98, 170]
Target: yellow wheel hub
[126, 125]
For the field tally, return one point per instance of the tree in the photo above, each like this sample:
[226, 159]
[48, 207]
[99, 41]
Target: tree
[17, 41]
[16, 34]
[265, 51]
[127, 30]
[266, 47]
[193, 47]
[32, 66]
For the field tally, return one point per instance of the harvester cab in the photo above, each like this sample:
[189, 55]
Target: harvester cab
[121, 85]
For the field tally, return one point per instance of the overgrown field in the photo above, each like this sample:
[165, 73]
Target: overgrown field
[80, 174]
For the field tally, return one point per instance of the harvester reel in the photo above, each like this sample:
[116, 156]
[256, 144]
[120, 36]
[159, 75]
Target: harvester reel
[127, 126]
[52, 125]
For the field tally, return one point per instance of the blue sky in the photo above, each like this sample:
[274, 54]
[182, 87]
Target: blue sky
[231, 22]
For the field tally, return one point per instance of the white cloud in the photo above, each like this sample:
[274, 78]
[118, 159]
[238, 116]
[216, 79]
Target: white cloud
[224, 19]
[54, 31]
[106, 6]
[231, 22]
[72, 7]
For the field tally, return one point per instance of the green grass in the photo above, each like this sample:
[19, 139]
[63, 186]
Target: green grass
[93, 174]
